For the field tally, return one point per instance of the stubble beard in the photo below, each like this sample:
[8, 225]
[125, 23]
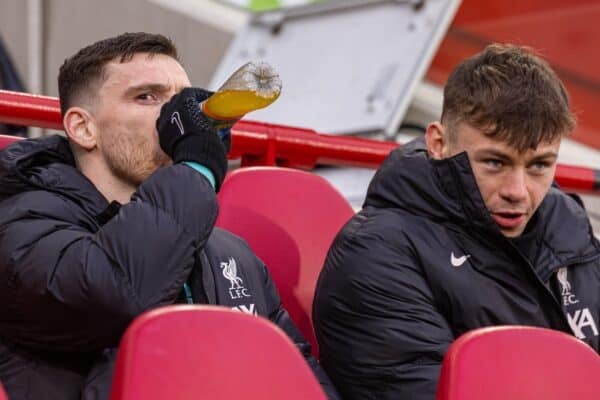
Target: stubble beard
[133, 163]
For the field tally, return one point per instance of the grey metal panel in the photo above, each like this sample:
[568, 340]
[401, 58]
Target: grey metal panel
[72, 24]
[346, 70]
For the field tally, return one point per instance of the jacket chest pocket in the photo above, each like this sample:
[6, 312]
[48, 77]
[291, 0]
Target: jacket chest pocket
[489, 294]
[236, 282]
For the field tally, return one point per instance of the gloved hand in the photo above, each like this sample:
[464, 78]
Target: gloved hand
[186, 134]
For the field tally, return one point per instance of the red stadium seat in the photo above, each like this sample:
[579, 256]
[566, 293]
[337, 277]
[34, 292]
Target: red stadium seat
[3, 395]
[289, 218]
[206, 352]
[519, 363]
[5, 140]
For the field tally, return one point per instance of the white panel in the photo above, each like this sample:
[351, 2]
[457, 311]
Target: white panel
[346, 70]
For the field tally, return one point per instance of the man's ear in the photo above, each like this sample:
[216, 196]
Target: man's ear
[80, 128]
[436, 139]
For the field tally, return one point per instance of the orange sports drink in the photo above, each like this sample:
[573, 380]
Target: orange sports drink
[253, 86]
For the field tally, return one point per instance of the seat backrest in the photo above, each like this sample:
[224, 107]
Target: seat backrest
[5, 140]
[207, 352]
[289, 218]
[3, 395]
[519, 363]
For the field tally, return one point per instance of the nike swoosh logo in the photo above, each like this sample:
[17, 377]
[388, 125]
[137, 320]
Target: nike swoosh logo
[176, 119]
[458, 261]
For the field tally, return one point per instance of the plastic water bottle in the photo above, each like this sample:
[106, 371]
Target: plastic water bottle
[253, 86]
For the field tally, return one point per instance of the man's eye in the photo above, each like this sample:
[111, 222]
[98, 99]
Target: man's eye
[146, 97]
[539, 166]
[493, 163]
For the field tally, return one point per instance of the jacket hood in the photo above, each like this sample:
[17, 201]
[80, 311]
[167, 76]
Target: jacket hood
[47, 164]
[446, 192]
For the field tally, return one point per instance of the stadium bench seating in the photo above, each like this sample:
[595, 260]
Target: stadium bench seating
[3, 395]
[289, 218]
[207, 352]
[519, 363]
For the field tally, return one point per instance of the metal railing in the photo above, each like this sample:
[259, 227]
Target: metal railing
[258, 143]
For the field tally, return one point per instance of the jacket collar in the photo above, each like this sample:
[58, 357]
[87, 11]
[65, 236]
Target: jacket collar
[445, 191]
[48, 164]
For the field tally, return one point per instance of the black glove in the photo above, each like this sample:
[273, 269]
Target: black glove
[186, 134]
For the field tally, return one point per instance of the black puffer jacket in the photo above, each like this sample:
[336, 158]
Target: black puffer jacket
[75, 270]
[423, 262]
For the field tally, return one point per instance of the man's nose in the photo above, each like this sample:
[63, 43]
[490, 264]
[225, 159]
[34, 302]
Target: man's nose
[514, 187]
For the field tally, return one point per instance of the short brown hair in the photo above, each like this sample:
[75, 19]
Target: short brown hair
[511, 94]
[85, 69]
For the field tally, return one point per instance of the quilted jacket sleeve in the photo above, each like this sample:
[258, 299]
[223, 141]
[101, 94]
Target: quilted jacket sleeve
[380, 333]
[66, 288]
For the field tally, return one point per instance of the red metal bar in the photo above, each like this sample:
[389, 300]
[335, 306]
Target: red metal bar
[580, 179]
[259, 143]
[30, 110]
